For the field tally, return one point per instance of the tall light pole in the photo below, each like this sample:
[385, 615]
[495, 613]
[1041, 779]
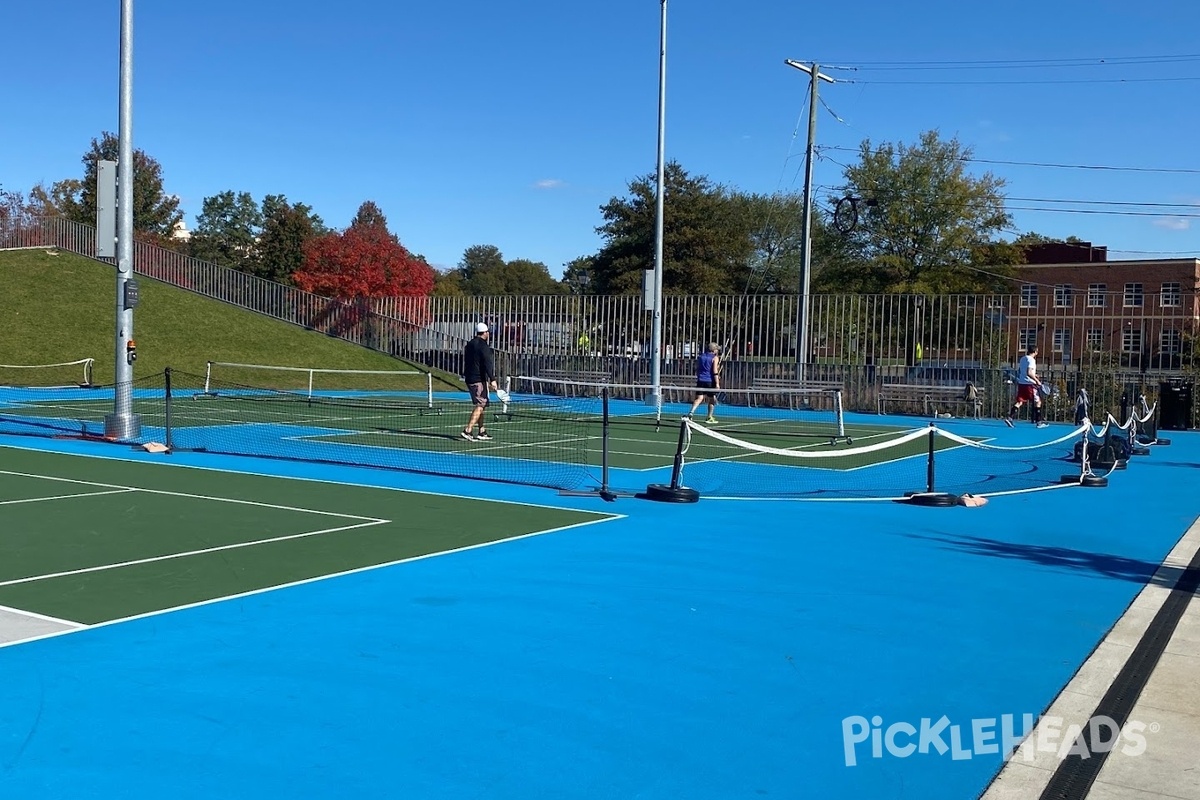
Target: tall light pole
[122, 423]
[802, 302]
[656, 334]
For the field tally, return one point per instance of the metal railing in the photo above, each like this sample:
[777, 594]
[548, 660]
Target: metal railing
[1087, 341]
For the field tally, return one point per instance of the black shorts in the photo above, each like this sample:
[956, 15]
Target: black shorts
[710, 385]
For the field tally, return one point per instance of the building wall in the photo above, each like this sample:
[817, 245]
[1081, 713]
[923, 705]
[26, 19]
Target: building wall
[1139, 311]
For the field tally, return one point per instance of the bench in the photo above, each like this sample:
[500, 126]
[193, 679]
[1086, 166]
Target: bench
[931, 397]
[787, 387]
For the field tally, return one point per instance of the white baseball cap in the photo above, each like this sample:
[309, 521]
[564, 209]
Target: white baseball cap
[481, 327]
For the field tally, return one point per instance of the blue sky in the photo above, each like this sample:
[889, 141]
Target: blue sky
[511, 124]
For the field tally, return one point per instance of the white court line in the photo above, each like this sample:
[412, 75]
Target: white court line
[305, 581]
[20, 612]
[63, 497]
[191, 496]
[188, 553]
[283, 477]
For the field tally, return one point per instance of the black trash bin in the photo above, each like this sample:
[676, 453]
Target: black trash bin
[1175, 404]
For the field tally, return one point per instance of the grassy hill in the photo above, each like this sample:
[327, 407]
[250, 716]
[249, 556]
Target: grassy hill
[63, 307]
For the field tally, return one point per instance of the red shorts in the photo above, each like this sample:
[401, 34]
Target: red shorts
[1027, 392]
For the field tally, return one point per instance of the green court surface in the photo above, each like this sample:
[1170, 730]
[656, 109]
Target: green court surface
[91, 540]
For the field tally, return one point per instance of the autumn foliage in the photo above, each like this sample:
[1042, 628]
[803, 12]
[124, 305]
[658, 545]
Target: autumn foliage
[364, 261]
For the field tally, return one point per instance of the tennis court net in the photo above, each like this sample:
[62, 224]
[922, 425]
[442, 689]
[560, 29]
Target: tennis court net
[65, 374]
[784, 412]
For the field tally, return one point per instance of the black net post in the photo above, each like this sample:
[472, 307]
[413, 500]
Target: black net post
[604, 426]
[676, 492]
[167, 407]
[930, 497]
[929, 462]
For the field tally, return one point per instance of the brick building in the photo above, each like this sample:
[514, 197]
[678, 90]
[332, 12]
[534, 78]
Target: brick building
[1139, 313]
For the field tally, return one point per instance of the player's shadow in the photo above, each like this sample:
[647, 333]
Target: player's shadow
[1065, 558]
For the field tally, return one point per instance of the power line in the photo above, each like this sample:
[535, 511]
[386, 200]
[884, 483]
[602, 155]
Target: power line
[1031, 62]
[1025, 82]
[1052, 165]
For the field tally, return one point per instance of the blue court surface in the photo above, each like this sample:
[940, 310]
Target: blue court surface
[726, 649]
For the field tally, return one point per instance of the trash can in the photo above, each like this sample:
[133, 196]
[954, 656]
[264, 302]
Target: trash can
[1175, 404]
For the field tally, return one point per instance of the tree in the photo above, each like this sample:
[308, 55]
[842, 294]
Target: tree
[226, 230]
[15, 212]
[448, 283]
[285, 229]
[154, 211]
[931, 227]
[369, 216]
[366, 260]
[705, 246]
[480, 270]
[577, 276]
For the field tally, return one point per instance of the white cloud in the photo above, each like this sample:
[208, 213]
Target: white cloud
[1173, 223]
[549, 183]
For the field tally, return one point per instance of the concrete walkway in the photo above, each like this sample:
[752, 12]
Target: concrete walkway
[1158, 752]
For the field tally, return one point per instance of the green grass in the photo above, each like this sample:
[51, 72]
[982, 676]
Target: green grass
[63, 307]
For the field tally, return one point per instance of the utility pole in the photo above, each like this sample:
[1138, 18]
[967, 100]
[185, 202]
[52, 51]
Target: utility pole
[123, 423]
[802, 302]
[656, 335]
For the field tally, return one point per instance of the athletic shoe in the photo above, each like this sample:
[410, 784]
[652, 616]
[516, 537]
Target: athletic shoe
[1042, 425]
[483, 436]
[710, 421]
[1007, 421]
[470, 437]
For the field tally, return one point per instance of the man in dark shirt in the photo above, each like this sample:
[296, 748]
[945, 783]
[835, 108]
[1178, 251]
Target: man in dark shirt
[479, 372]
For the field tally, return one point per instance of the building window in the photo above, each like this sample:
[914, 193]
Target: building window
[1062, 295]
[1062, 340]
[1095, 340]
[1170, 342]
[1131, 341]
[1133, 295]
[1096, 293]
[1028, 338]
[1029, 296]
[1172, 295]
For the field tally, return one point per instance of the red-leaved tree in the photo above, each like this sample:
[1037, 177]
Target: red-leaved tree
[364, 261]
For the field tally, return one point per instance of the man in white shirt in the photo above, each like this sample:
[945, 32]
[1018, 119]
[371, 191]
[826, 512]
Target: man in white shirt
[1028, 389]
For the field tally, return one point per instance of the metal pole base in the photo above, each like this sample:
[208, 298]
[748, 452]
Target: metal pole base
[664, 493]
[931, 499]
[122, 427]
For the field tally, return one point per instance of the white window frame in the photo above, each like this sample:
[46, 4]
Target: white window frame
[1062, 295]
[1096, 295]
[1061, 343]
[1026, 338]
[1170, 341]
[1135, 295]
[1029, 295]
[1131, 341]
[1095, 339]
[1171, 296]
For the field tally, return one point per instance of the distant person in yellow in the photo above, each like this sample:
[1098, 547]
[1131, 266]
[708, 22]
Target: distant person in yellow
[585, 342]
